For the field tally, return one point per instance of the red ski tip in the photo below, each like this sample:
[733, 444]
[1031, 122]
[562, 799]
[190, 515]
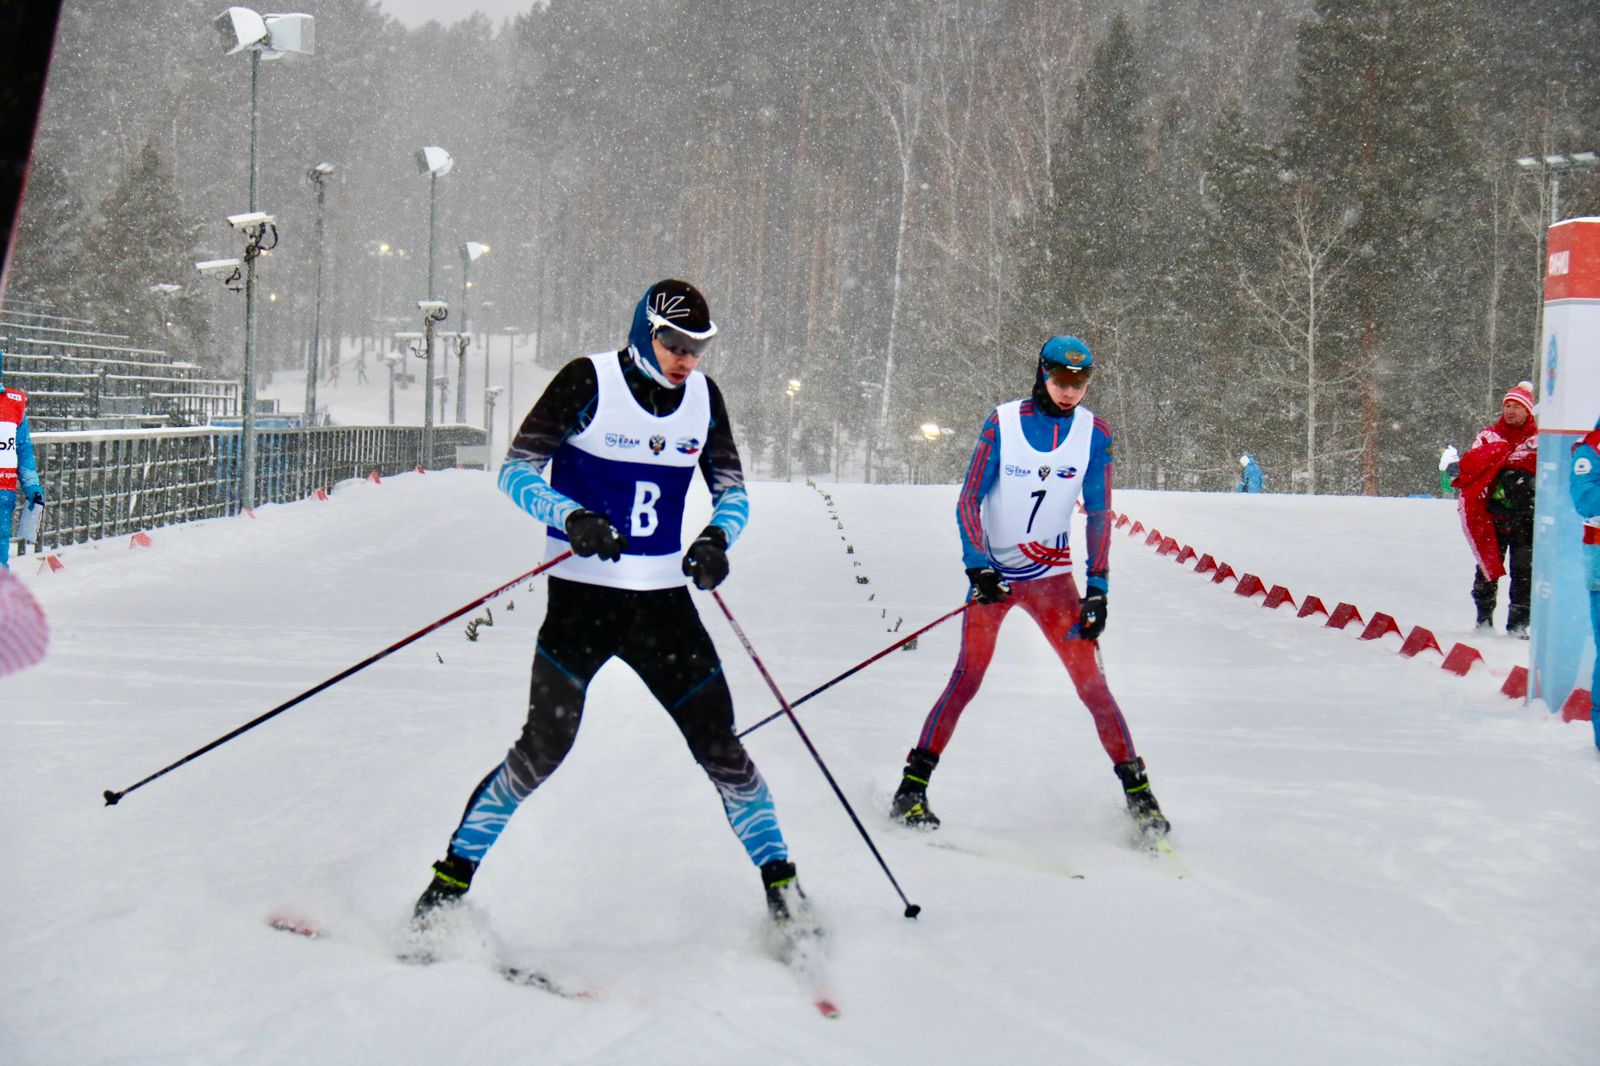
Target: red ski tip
[826, 1008]
[297, 926]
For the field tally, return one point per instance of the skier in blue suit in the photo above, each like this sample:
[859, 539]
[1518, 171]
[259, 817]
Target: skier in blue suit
[1586, 498]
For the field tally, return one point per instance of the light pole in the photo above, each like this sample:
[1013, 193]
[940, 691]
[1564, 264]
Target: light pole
[470, 251]
[243, 30]
[489, 395]
[395, 360]
[436, 163]
[433, 313]
[1551, 167]
[1554, 166]
[792, 390]
[318, 176]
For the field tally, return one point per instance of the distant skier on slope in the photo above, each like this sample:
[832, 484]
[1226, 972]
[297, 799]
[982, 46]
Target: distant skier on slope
[1033, 461]
[1249, 474]
[623, 433]
[1497, 489]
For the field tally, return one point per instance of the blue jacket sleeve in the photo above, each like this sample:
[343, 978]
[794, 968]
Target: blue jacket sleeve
[982, 470]
[1097, 506]
[27, 468]
[1586, 480]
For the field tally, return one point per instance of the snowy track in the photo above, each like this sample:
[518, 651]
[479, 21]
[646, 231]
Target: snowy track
[1388, 863]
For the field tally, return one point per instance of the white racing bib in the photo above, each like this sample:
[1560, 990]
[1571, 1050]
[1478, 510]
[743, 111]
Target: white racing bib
[635, 469]
[1027, 515]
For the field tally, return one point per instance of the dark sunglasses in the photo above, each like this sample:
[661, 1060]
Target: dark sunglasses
[681, 344]
[1066, 377]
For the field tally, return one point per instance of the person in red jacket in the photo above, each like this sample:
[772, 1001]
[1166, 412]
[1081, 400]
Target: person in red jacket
[1496, 504]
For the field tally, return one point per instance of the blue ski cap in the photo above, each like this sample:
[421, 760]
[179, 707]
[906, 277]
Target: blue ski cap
[1064, 351]
[674, 306]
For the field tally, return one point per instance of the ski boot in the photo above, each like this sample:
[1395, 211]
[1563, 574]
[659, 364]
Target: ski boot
[452, 876]
[795, 932]
[910, 806]
[1517, 622]
[1142, 806]
[785, 900]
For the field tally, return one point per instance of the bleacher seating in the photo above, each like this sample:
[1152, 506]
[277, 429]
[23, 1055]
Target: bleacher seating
[78, 377]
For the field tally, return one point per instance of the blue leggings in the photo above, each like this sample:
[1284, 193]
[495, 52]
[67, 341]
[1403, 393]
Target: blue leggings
[8, 504]
[659, 635]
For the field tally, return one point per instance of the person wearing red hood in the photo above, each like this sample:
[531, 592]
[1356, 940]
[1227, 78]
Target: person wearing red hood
[1496, 504]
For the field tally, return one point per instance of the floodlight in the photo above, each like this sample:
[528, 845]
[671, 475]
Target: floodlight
[240, 29]
[165, 288]
[320, 171]
[291, 33]
[1529, 162]
[408, 336]
[434, 160]
[472, 250]
[251, 218]
[1555, 160]
[1585, 159]
[218, 266]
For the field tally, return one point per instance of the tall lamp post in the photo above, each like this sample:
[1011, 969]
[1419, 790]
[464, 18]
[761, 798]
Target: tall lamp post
[318, 176]
[436, 163]
[1551, 167]
[792, 390]
[470, 251]
[269, 37]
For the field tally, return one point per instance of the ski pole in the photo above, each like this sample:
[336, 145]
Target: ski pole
[912, 909]
[862, 665]
[113, 797]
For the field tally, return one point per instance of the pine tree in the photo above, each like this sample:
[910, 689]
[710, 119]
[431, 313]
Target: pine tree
[48, 253]
[141, 237]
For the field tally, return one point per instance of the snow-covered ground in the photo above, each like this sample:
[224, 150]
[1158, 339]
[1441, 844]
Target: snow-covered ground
[1387, 863]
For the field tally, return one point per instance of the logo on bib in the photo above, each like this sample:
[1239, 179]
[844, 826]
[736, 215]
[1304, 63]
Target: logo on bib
[688, 445]
[1044, 473]
[1067, 472]
[621, 440]
[657, 444]
[1018, 471]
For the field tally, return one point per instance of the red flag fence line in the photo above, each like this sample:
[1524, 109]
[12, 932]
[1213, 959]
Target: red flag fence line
[1459, 660]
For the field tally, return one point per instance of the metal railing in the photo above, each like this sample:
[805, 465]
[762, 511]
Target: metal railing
[111, 483]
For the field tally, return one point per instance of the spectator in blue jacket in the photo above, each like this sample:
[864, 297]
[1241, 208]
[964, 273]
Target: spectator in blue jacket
[1586, 498]
[1249, 474]
[19, 475]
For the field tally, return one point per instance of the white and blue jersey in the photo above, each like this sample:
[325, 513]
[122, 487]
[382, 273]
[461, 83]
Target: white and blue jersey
[635, 468]
[1074, 453]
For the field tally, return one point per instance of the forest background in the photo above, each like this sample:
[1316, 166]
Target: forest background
[1293, 227]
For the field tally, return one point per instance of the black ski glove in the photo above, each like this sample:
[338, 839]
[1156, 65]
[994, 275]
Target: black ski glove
[38, 500]
[593, 534]
[707, 559]
[1092, 616]
[987, 584]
